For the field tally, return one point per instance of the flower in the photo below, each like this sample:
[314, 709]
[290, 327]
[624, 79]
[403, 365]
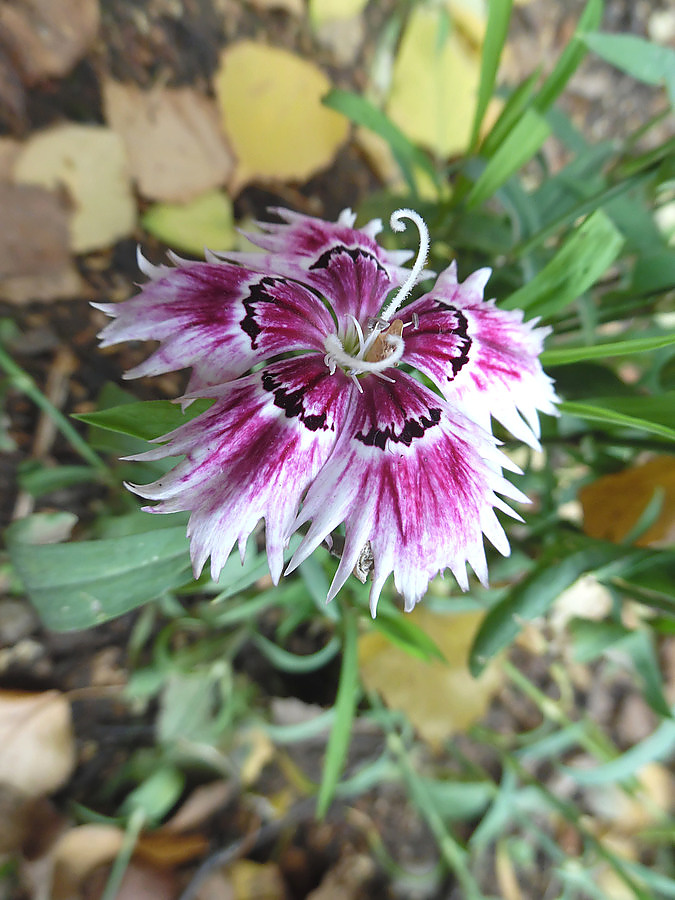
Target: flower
[323, 414]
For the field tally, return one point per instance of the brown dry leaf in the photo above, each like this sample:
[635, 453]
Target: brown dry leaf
[270, 101]
[47, 37]
[613, 504]
[34, 237]
[64, 285]
[9, 151]
[139, 882]
[434, 88]
[37, 745]
[256, 881]
[294, 7]
[78, 852]
[164, 850]
[439, 698]
[173, 138]
[202, 803]
[89, 163]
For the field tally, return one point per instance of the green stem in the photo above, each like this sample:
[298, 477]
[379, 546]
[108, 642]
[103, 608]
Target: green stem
[134, 827]
[452, 852]
[22, 381]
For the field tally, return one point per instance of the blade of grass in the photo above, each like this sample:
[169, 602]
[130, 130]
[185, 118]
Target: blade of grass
[563, 356]
[345, 708]
[499, 16]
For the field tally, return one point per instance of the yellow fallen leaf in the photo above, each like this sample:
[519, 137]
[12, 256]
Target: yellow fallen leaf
[78, 852]
[613, 504]
[204, 222]
[173, 138]
[440, 698]
[471, 17]
[37, 745]
[321, 11]
[434, 88]
[261, 881]
[90, 163]
[270, 101]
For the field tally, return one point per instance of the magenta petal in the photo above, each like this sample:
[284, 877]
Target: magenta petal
[484, 359]
[218, 318]
[345, 264]
[251, 456]
[414, 477]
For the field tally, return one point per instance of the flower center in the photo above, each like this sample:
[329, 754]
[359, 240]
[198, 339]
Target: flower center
[383, 347]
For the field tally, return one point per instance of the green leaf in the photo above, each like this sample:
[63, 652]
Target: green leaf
[518, 148]
[499, 16]
[570, 58]
[637, 57]
[38, 480]
[563, 356]
[147, 419]
[651, 414]
[286, 661]
[81, 584]
[362, 112]
[560, 567]
[345, 709]
[515, 106]
[578, 264]
[156, 795]
[404, 633]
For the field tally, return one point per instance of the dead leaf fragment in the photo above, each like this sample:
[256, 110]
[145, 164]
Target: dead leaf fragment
[440, 698]
[260, 880]
[614, 503]
[270, 101]
[78, 852]
[37, 745]
[47, 37]
[89, 163]
[173, 138]
[206, 221]
[34, 237]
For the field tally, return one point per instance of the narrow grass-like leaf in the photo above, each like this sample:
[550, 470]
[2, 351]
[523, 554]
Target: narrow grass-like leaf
[513, 109]
[286, 661]
[345, 709]
[39, 480]
[658, 746]
[563, 356]
[651, 414]
[648, 62]
[147, 419]
[362, 112]
[499, 16]
[404, 633]
[81, 584]
[518, 148]
[533, 596]
[570, 58]
[578, 264]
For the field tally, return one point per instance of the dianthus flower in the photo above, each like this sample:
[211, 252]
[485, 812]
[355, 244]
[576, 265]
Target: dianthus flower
[324, 407]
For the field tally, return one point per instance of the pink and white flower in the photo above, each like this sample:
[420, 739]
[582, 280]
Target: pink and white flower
[323, 414]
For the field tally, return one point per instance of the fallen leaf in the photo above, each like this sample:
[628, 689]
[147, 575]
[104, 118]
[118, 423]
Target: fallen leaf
[64, 285]
[88, 162]
[202, 803]
[204, 222]
[270, 101]
[434, 87]
[78, 852]
[343, 37]
[34, 236]
[613, 504]
[261, 881]
[139, 882]
[9, 150]
[37, 745]
[471, 17]
[322, 11]
[164, 850]
[440, 698]
[294, 7]
[47, 37]
[173, 138]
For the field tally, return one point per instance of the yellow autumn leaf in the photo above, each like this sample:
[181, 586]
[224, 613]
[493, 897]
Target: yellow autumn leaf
[89, 162]
[321, 11]
[204, 222]
[434, 86]
[440, 698]
[613, 504]
[270, 101]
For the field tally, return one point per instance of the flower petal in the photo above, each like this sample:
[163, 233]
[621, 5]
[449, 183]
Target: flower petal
[345, 264]
[415, 478]
[251, 456]
[482, 358]
[218, 318]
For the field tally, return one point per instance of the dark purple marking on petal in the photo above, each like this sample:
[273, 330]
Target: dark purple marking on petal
[465, 341]
[258, 294]
[292, 401]
[354, 253]
[413, 429]
[435, 324]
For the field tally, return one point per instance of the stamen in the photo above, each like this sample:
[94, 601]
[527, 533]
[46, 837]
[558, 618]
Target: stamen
[336, 356]
[397, 225]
